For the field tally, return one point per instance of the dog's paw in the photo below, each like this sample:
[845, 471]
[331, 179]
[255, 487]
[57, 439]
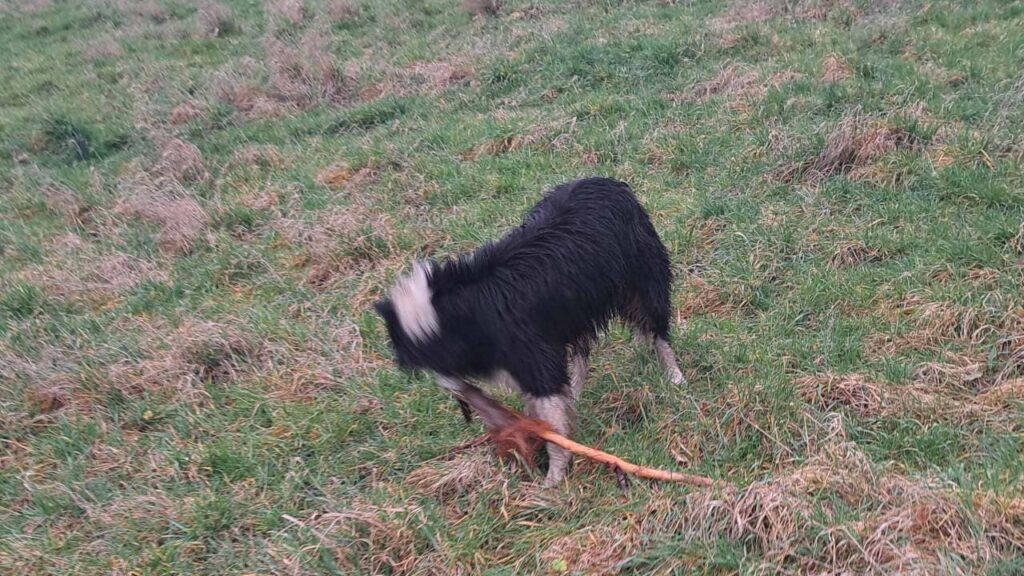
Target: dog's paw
[552, 482]
[677, 377]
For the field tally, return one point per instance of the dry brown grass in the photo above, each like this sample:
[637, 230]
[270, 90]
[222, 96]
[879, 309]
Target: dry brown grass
[292, 76]
[854, 143]
[441, 74]
[907, 525]
[182, 161]
[1017, 242]
[316, 367]
[291, 12]
[465, 474]
[852, 391]
[853, 253]
[957, 371]
[214, 19]
[179, 362]
[257, 157]
[186, 112]
[741, 12]
[1011, 353]
[943, 393]
[308, 73]
[49, 395]
[65, 202]
[482, 7]
[237, 86]
[506, 144]
[101, 48]
[144, 9]
[419, 78]
[702, 298]
[735, 81]
[341, 10]
[591, 550]
[340, 240]
[163, 201]
[937, 324]
[835, 69]
[370, 538]
[98, 279]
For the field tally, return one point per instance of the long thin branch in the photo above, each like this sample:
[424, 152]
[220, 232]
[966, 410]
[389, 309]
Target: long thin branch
[513, 432]
[627, 467]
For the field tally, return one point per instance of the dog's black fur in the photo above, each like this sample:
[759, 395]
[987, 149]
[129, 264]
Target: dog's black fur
[513, 309]
[585, 253]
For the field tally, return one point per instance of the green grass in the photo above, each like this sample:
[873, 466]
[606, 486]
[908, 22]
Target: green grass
[192, 379]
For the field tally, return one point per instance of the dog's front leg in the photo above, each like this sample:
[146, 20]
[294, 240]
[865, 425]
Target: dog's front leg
[558, 411]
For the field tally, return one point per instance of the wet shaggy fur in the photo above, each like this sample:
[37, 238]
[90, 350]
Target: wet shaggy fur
[514, 308]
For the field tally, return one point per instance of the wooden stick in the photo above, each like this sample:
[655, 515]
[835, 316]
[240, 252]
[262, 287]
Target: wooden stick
[627, 467]
[512, 432]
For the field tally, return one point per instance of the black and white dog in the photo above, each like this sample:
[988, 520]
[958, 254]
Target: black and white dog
[512, 311]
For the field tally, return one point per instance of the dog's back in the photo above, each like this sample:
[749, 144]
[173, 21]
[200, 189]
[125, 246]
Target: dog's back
[584, 253]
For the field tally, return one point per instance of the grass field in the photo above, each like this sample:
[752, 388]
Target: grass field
[201, 202]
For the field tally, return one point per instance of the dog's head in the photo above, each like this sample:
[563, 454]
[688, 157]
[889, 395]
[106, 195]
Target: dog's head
[410, 316]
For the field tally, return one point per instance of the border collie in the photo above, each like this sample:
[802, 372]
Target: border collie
[514, 311]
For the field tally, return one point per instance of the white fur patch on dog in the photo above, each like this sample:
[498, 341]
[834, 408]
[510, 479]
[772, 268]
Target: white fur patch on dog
[411, 299]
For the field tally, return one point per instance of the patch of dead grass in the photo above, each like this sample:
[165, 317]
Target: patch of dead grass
[463, 475]
[702, 298]
[835, 69]
[591, 550]
[854, 143]
[1017, 242]
[50, 395]
[505, 144]
[305, 74]
[164, 202]
[186, 112]
[939, 393]
[853, 253]
[81, 276]
[556, 134]
[101, 48]
[339, 11]
[181, 361]
[958, 372]
[145, 9]
[65, 202]
[851, 391]
[256, 157]
[340, 239]
[740, 12]
[292, 76]
[370, 538]
[214, 19]
[478, 8]
[289, 12]
[736, 81]
[906, 524]
[238, 87]
[182, 160]
[441, 74]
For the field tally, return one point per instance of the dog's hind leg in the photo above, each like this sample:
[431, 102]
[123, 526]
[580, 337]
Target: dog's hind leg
[650, 327]
[579, 363]
[667, 359]
[557, 410]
